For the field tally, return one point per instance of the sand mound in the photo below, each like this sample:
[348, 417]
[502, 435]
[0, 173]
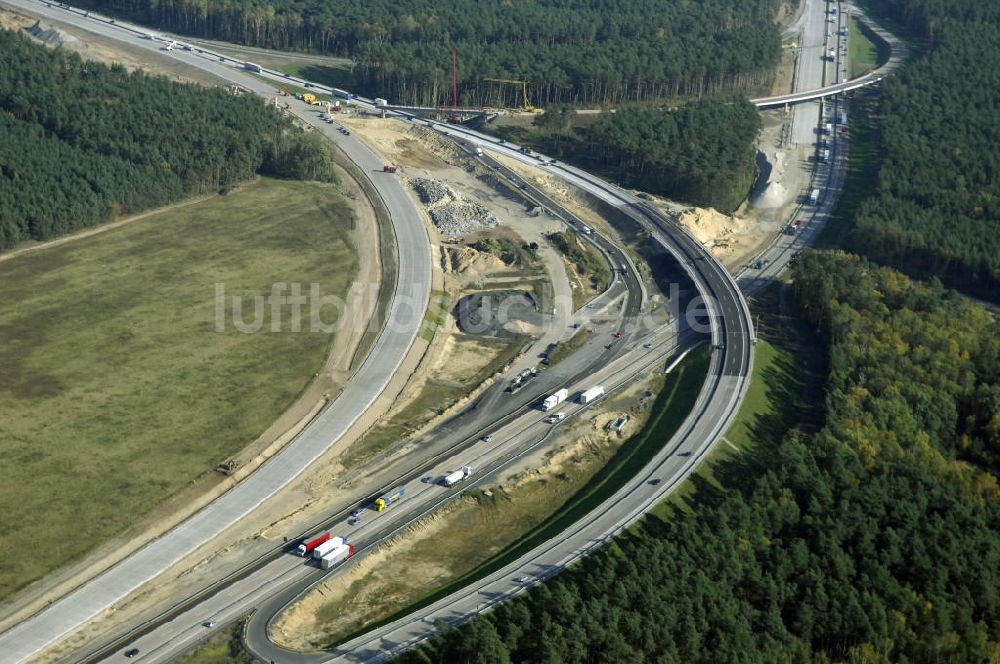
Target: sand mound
[459, 260]
[710, 226]
[774, 194]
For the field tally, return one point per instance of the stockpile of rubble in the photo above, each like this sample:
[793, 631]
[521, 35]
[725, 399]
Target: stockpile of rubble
[430, 191]
[452, 214]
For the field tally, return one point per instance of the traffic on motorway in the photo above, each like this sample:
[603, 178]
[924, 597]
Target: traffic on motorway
[732, 338]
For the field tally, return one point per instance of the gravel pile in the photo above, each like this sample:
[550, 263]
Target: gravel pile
[430, 191]
[461, 217]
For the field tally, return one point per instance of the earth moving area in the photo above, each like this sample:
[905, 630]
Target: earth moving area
[119, 390]
[473, 528]
[483, 240]
[327, 485]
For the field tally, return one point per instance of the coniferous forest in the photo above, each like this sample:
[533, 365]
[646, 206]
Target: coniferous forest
[938, 205]
[701, 153]
[875, 537]
[872, 540]
[580, 51]
[82, 143]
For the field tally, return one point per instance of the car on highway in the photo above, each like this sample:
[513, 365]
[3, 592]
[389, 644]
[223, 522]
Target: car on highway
[131, 652]
[487, 438]
[353, 521]
[654, 482]
[575, 326]
[619, 334]
[358, 512]
[523, 579]
[208, 623]
[647, 346]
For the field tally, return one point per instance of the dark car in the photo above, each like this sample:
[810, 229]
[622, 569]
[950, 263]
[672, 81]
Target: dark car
[654, 482]
[131, 652]
[358, 512]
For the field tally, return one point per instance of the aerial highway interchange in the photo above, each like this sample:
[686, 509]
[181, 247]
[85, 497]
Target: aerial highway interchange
[275, 582]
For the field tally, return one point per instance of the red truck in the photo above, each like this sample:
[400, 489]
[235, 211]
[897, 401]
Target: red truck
[306, 547]
[388, 168]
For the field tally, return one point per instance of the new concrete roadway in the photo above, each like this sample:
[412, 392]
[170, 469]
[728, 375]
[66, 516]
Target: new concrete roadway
[287, 575]
[732, 338]
[410, 296]
[716, 405]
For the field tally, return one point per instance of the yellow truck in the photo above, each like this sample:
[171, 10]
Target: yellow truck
[310, 98]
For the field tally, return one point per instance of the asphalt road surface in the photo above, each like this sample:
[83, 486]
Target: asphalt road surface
[287, 576]
[728, 319]
[732, 359]
[406, 311]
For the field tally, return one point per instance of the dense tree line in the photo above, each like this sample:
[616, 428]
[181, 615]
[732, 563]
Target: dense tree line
[938, 202]
[700, 153]
[873, 539]
[589, 51]
[81, 143]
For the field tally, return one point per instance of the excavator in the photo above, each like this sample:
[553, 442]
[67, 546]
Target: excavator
[525, 105]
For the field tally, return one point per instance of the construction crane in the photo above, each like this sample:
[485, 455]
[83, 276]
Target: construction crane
[525, 106]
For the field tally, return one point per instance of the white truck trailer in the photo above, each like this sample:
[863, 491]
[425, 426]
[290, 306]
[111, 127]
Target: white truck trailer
[587, 396]
[554, 400]
[337, 555]
[456, 476]
[381, 102]
[327, 546]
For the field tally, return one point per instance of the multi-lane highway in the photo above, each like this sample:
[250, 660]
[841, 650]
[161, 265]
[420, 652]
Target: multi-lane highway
[410, 295]
[730, 328]
[717, 403]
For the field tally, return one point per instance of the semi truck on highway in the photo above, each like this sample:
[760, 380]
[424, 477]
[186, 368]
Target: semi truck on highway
[587, 396]
[327, 546]
[249, 66]
[307, 546]
[336, 555]
[554, 400]
[456, 476]
[381, 102]
[390, 498]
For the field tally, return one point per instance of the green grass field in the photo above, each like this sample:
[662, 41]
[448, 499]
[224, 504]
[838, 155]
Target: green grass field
[768, 410]
[862, 53]
[226, 647]
[117, 389]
